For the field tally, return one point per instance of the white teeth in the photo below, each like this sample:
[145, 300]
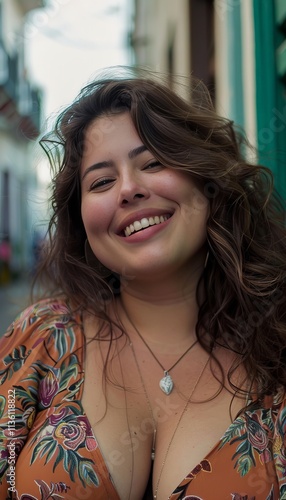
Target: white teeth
[143, 223]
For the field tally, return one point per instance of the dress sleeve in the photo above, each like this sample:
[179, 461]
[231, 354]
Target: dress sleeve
[17, 405]
[279, 448]
[25, 351]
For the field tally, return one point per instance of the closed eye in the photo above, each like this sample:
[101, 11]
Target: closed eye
[153, 164]
[101, 184]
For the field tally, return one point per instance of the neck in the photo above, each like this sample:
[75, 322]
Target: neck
[165, 312]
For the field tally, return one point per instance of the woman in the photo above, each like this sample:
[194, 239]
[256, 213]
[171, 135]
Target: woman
[156, 370]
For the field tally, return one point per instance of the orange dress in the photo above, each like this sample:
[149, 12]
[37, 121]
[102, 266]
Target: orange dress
[47, 446]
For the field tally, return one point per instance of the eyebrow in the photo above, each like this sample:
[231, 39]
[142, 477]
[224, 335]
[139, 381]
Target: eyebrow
[109, 163]
[137, 151]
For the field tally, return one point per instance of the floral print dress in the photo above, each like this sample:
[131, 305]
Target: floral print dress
[49, 451]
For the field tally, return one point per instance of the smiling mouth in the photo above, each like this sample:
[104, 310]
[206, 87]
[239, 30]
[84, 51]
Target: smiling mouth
[144, 223]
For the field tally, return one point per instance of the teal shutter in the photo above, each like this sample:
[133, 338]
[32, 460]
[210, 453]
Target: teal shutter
[280, 15]
[270, 95]
[280, 18]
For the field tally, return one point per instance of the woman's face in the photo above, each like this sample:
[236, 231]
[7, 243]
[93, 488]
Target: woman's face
[141, 217]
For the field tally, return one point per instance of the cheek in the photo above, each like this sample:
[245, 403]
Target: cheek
[195, 207]
[95, 218]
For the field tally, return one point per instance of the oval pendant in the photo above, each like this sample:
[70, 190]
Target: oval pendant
[166, 384]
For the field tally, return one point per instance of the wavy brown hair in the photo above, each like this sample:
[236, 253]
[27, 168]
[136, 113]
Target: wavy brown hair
[244, 306]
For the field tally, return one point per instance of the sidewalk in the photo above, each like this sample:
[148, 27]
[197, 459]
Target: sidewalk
[14, 297]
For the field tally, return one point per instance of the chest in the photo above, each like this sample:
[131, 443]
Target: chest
[124, 415]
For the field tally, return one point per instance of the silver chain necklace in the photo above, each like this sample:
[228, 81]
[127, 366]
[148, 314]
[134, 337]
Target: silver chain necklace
[178, 424]
[148, 402]
[166, 383]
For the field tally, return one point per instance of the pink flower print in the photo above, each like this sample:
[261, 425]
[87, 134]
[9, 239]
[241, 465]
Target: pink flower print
[16, 432]
[256, 434]
[17, 447]
[60, 308]
[266, 456]
[38, 341]
[70, 435]
[48, 492]
[90, 440]
[4, 455]
[59, 325]
[61, 487]
[48, 388]
[56, 418]
[203, 465]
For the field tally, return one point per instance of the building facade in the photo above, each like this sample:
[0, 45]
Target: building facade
[238, 48]
[20, 106]
[251, 75]
[174, 38]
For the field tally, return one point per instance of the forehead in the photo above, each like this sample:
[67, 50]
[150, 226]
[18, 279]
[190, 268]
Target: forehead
[107, 123]
[110, 131]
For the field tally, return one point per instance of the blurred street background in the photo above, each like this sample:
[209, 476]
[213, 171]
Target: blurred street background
[50, 49]
[14, 297]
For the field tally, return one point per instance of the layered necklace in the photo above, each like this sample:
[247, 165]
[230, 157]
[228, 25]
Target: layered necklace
[155, 423]
[166, 383]
[178, 423]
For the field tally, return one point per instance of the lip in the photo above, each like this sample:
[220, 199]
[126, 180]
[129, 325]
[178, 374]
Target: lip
[145, 234]
[131, 218]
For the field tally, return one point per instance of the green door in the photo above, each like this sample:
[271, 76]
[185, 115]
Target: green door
[270, 57]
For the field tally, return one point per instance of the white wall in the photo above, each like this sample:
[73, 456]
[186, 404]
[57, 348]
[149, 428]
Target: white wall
[12, 25]
[223, 45]
[17, 155]
[160, 21]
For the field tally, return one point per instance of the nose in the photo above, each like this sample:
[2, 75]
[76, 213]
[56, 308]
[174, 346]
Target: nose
[132, 190]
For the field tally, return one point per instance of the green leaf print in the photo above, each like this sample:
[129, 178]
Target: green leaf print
[68, 372]
[243, 448]
[283, 492]
[71, 463]
[3, 376]
[73, 390]
[17, 365]
[59, 458]
[62, 343]
[41, 448]
[244, 465]
[87, 473]
[2, 405]
[52, 451]
[8, 360]
[63, 340]
[70, 331]
[14, 362]
[28, 396]
[236, 429]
